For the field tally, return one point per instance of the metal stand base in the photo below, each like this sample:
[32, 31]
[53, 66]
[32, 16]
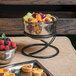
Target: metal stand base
[46, 45]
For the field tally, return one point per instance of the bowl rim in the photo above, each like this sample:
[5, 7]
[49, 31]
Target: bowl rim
[55, 17]
[8, 50]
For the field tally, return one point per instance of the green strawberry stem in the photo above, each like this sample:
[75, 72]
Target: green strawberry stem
[2, 36]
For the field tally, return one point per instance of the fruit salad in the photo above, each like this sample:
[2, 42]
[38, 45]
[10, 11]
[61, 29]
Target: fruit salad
[38, 23]
[6, 44]
[37, 17]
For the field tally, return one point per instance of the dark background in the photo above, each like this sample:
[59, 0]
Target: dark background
[17, 11]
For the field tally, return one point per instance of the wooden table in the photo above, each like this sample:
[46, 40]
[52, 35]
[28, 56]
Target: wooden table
[26, 2]
[64, 64]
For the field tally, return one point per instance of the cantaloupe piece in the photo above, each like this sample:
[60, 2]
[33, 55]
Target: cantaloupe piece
[38, 17]
[34, 20]
[50, 19]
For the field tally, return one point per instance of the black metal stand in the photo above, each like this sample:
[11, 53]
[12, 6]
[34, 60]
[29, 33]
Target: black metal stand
[46, 45]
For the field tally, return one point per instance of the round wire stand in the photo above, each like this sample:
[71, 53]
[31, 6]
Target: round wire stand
[45, 44]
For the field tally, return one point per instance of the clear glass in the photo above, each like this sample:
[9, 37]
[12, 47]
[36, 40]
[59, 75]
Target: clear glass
[6, 56]
[40, 28]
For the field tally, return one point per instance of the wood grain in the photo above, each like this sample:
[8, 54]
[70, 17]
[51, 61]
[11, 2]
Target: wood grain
[11, 26]
[14, 26]
[38, 2]
[66, 26]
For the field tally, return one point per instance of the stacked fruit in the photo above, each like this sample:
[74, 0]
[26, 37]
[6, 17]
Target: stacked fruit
[36, 17]
[36, 28]
[6, 44]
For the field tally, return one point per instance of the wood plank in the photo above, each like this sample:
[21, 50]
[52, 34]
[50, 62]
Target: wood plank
[14, 26]
[66, 26]
[11, 26]
[38, 2]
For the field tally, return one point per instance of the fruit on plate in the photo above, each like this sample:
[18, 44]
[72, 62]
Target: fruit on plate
[3, 71]
[37, 72]
[9, 74]
[27, 68]
[36, 17]
[6, 44]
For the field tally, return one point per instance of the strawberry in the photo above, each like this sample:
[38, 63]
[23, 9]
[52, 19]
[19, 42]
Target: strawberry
[1, 47]
[1, 42]
[13, 44]
[9, 43]
[6, 48]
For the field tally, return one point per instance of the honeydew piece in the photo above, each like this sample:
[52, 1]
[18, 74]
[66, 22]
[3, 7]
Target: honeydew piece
[49, 15]
[29, 14]
[27, 17]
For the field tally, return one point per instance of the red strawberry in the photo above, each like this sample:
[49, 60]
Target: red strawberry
[9, 43]
[1, 42]
[13, 44]
[1, 47]
[6, 48]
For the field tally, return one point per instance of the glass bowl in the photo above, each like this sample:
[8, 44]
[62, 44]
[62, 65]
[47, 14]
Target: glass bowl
[6, 56]
[40, 29]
